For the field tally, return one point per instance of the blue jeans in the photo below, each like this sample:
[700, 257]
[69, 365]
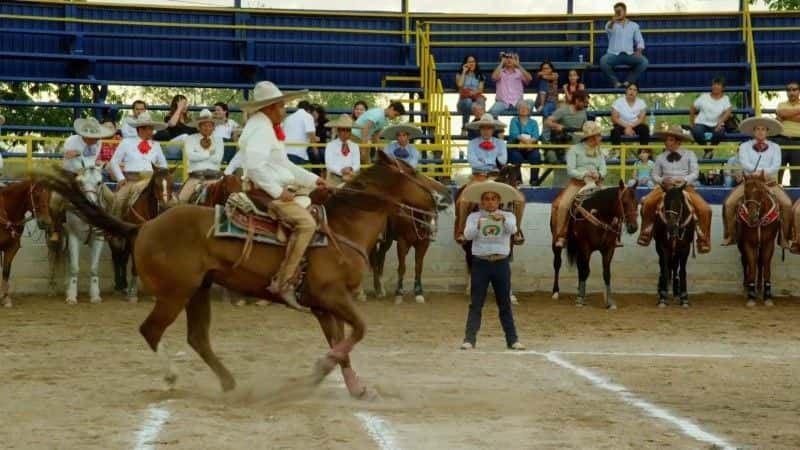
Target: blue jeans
[296, 159]
[502, 107]
[699, 134]
[499, 274]
[638, 65]
[531, 156]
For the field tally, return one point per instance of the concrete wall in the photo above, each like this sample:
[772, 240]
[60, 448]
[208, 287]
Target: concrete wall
[635, 269]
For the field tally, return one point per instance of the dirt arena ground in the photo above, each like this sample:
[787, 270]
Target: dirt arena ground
[716, 375]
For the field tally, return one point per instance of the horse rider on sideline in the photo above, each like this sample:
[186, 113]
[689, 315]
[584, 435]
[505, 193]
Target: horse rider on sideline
[486, 154]
[676, 167]
[266, 165]
[204, 151]
[342, 158]
[490, 230]
[586, 167]
[399, 146]
[760, 155]
[80, 150]
[137, 156]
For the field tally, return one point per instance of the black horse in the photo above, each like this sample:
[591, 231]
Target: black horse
[674, 233]
[595, 223]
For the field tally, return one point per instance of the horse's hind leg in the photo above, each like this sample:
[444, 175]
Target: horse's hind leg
[198, 320]
[607, 255]
[663, 277]
[8, 258]
[402, 252]
[94, 282]
[152, 329]
[334, 333]
[74, 251]
[583, 274]
[420, 248]
[377, 261]
[133, 287]
[556, 270]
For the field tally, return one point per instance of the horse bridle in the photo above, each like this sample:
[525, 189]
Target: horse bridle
[761, 220]
[682, 227]
[614, 226]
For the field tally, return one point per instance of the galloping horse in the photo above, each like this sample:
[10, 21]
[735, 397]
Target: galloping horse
[594, 224]
[16, 200]
[154, 198]
[510, 174]
[179, 262]
[757, 226]
[673, 232]
[78, 233]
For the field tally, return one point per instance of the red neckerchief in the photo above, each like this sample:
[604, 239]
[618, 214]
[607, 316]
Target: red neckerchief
[760, 147]
[345, 149]
[144, 147]
[279, 132]
[487, 145]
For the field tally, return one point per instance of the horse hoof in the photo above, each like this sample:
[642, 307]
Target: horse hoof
[398, 299]
[751, 303]
[361, 296]
[239, 302]
[262, 303]
[171, 380]
[419, 299]
[322, 368]
[685, 304]
[768, 302]
[7, 303]
[555, 296]
[133, 299]
[514, 300]
[96, 300]
[611, 307]
[662, 304]
[579, 304]
[380, 294]
[71, 301]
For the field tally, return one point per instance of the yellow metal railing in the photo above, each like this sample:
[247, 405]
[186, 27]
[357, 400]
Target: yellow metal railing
[751, 59]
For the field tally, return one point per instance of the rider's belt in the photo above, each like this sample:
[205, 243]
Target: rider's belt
[494, 257]
[136, 176]
[205, 174]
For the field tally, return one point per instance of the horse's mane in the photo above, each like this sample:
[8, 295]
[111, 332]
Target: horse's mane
[603, 200]
[355, 194]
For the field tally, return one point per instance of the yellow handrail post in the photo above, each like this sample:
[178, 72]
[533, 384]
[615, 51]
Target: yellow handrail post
[184, 163]
[623, 162]
[591, 42]
[28, 153]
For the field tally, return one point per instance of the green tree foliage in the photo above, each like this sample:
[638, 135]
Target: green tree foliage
[781, 5]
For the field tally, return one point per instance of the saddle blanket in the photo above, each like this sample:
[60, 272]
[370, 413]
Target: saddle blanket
[267, 231]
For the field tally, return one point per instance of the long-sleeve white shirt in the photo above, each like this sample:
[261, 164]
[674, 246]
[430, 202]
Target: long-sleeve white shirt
[127, 130]
[336, 161]
[200, 158]
[128, 154]
[490, 241]
[235, 163]
[264, 158]
[769, 160]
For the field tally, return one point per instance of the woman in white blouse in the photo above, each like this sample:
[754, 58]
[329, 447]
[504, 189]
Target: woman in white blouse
[709, 113]
[226, 128]
[204, 151]
[628, 114]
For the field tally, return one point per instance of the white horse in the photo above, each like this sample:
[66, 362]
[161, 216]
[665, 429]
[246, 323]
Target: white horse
[78, 233]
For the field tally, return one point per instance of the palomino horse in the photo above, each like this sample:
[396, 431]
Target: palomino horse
[595, 223]
[510, 174]
[758, 224]
[674, 233]
[16, 200]
[408, 231]
[154, 198]
[79, 233]
[178, 261]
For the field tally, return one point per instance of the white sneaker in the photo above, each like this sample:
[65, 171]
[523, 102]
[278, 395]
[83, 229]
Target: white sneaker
[516, 346]
[467, 346]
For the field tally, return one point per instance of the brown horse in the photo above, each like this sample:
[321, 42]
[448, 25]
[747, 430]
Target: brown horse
[154, 199]
[757, 227]
[409, 231]
[594, 224]
[217, 192]
[16, 200]
[178, 261]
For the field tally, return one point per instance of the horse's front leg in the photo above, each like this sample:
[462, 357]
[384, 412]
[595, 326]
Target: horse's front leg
[94, 281]
[420, 248]
[74, 250]
[8, 258]
[684, 290]
[377, 261]
[133, 287]
[766, 270]
[583, 274]
[751, 273]
[608, 254]
[402, 252]
[556, 270]
[663, 277]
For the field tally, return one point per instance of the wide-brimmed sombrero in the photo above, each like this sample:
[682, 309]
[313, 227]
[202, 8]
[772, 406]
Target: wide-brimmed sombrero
[144, 120]
[91, 128]
[265, 93]
[774, 127]
[590, 128]
[343, 121]
[204, 116]
[675, 131]
[486, 120]
[390, 133]
[474, 191]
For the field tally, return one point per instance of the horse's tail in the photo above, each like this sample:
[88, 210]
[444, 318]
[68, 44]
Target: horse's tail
[61, 181]
[572, 246]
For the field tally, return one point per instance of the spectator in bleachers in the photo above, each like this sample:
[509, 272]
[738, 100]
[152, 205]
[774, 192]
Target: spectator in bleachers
[138, 107]
[107, 149]
[359, 108]
[524, 130]
[204, 151]
[572, 85]
[176, 120]
[399, 143]
[643, 167]
[709, 113]
[628, 115]
[470, 82]
[622, 35]
[566, 121]
[789, 116]
[369, 125]
[317, 154]
[300, 131]
[342, 159]
[547, 93]
[733, 172]
[510, 79]
[478, 110]
[226, 128]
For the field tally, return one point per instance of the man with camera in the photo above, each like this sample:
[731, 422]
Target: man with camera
[510, 80]
[622, 35]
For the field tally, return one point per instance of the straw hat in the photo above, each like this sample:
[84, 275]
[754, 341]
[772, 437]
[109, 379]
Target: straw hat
[774, 127]
[675, 131]
[204, 116]
[2, 119]
[486, 120]
[343, 121]
[590, 128]
[265, 93]
[144, 120]
[474, 191]
[91, 128]
[390, 133]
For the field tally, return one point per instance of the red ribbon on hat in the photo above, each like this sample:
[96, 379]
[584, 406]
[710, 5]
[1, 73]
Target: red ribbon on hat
[487, 145]
[144, 147]
[279, 132]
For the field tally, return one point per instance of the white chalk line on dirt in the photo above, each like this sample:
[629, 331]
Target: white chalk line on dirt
[157, 415]
[637, 354]
[685, 425]
[379, 430]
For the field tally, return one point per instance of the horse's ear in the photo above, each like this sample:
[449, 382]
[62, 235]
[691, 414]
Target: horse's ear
[621, 185]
